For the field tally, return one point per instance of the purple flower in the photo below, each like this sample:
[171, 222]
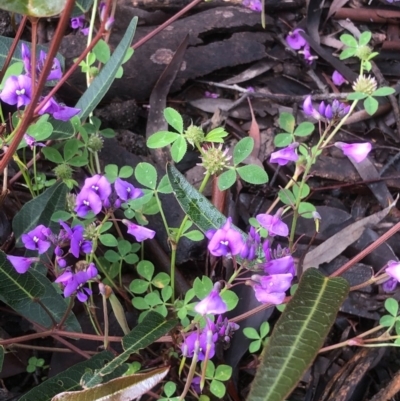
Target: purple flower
[212, 303]
[109, 23]
[393, 270]
[139, 232]
[87, 201]
[65, 113]
[273, 224]
[26, 58]
[78, 243]
[74, 282]
[249, 250]
[211, 95]
[306, 52]
[31, 142]
[309, 109]
[37, 239]
[337, 110]
[390, 285]
[338, 79]
[285, 155]
[85, 31]
[126, 190]
[99, 185]
[272, 289]
[295, 40]
[78, 22]
[55, 72]
[17, 90]
[254, 5]
[225, 241]
[356, 151]
[281, 265]
[20, 263]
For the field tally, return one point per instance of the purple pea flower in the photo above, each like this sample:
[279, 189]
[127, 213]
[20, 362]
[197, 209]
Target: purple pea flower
[390, 285]
[99, 185]
[55, 72]
[211, 95]
[139, 232]
[37, 239]
[65, 113]
[20, 263]
[225, 241]
[393, 270]
[17, 90]
[338, 79]
[249, 250]
[273, 224]
[212, 303]
[77, 242]
[74, 282]
[26, 58]
[272, 289]
[77, 22]
[285, 155]
[309, 109]
[355, 151]
[254, 5]
[126, 190]
[31, 142]
[306, 52]
[87, 201]
[281, 265]
[295, 40]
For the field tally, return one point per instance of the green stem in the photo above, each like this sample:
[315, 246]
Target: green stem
[89, 39]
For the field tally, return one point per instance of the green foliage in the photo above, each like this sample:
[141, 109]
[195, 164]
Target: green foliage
[34, 8]
[298, 335]
[146, 174]
[392, 319]
[34, 363]
[288, 124]
[216, 376]
[112, 173]
[370, 103]
[259, 338]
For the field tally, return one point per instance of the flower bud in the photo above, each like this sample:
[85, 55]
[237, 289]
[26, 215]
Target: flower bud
[95, 143]
[63, 172]
[363, 52]
[365, 85]
[214, 160]
[194, 135]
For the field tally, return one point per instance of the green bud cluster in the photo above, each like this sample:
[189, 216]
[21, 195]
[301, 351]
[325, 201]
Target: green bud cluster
[71, 202]
[365, 84]
[90, 231]
[215, 160]
[194, 135]
[63, 172]
[363, 52]
[95, 143]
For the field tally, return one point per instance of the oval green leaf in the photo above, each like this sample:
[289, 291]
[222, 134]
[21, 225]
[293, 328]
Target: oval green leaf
[161, 139]
[174, 119]
[298, 335]
[226, 179]
[34, 8]
[146, 174]
[253, 174]
[242, 149]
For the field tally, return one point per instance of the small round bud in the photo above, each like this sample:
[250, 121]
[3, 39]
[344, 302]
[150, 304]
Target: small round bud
[63, 172]
[95, 143]
[365, 85]
[90, 231]
[194, 135]
[363, 52]
[71, 202]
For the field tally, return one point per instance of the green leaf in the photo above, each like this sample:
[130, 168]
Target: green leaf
[306, 210]
[251, 333]
[34, 8]
[230, 298]
[145, 333]
[287, 122]
[161, 280]
[348, 40]
[223, 372]
[392, 306]
[111, 172]
[254, 346]
[146, 174]
[101, 84]
[108, 240]
[71, 148]
[138, 286]
[364, 38]
[304, 129]
[194, 235]
[253, 174]
[146, 269]
[194, 204]
[102, 51]
[174, 119]
[264, 329]
[356, 96]
[385, 91]
[216, 135]
[305, 191]
[81, 7]
[202, 287]
[387, 321]
[178, 149]
[161, 139]
[169, 389]
[242, 150]
[226, 179]
[298, 335]
[122, 388]
[139, 303]
[125, 172]
[40, 210]
[347, 53]
[164, 187]
[112, 256]
[371, 105]
[13, 69]
[217, 388]
[53, 155]
[153, 298]
[41, 130]
[283, 139]
[124, 247]
[286, 196]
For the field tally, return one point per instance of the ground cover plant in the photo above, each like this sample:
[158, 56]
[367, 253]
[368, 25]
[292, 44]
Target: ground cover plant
[131, 279]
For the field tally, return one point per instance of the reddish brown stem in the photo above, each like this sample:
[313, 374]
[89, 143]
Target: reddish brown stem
[34, 22]
[28, 114]
[13, 47]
